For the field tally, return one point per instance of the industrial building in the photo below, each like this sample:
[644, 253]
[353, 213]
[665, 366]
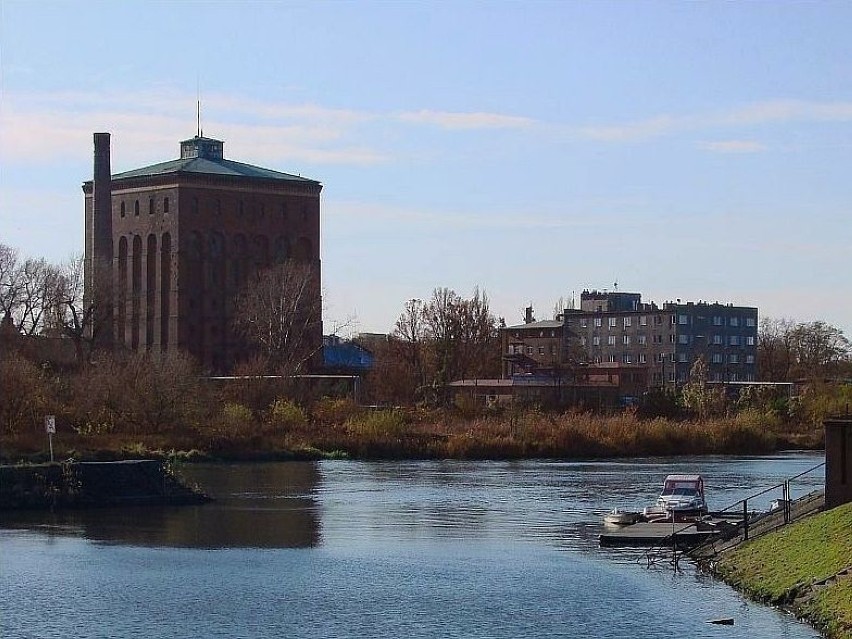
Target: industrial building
[172, 244]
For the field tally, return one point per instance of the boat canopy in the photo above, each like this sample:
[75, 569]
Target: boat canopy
[674, 482]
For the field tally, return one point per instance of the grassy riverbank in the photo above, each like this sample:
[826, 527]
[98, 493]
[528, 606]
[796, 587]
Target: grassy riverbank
[339, 429]
[781, 568]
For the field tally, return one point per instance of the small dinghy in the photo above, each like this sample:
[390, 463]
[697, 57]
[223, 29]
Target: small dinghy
[618, 517]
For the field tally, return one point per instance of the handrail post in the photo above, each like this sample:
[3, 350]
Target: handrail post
[787, 504]
[745, 519]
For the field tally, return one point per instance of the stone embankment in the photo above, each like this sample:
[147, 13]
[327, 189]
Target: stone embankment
[92, 485]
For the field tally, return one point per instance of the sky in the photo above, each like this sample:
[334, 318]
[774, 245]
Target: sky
[699, 151]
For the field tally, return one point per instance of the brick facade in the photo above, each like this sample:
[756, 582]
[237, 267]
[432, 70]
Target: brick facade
[185, 240]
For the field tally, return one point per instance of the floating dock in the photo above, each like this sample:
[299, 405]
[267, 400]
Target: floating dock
[682, 534]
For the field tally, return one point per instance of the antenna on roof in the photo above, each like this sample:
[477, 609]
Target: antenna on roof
[616, 284]
[198, 132]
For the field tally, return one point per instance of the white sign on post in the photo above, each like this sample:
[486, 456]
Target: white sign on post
[50, 427]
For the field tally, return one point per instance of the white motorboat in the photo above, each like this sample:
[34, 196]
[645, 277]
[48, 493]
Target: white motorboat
[683, 495]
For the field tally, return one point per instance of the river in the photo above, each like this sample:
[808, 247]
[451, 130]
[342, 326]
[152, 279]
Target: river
[386, 550]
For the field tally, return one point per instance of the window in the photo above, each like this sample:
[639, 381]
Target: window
[596, 341]
[552, 350]
[672, 357]
[582, 341]
[682, 319]
[643, 320]
[735, 321]
[671, 376]
[597, 322]
[626, 358]
[673, 319]
[136, 207]
[642, 340]
[751, 322]
[150, 206]
[541, 350]
[717, 339]
[584, 322]
[681, 357]
[672, 338]
[716, 377]
[749, 359]
[717, 320]
[165, 205]
[716, 358]
[612, 321]
[733, 358]
[122, 209]
[749, 340]
[529, 350]
[658, 339]
[658, 320]
[627, 321]
[661, 357]
[683, 339]
[598, 359]
[611, 359]
[625, 339]
[611, 340]
[734, 340]
[643, 359]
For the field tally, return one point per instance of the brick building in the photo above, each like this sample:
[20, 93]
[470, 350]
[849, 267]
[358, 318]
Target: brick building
[180, 238]
[617, 330]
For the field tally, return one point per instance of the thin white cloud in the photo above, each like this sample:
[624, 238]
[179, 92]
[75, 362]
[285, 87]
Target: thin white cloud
[459, 121]
[51, 127]
[732, 146]
[757, 114]
[58, 125]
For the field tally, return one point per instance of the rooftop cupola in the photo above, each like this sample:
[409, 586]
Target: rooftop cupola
[201, 147]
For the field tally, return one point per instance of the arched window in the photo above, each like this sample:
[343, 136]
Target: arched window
[165, 288]
[281, 249]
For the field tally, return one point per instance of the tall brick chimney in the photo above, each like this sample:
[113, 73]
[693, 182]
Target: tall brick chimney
[100, 279]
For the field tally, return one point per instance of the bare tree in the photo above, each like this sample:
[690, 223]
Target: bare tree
[409, 340]
[75, 315]
[463, 333]
[819, 349]
[279, 311]
[788, 350]
[775, 349]
[28, 290]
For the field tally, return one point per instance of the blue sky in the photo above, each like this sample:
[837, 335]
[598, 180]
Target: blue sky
[699, 151]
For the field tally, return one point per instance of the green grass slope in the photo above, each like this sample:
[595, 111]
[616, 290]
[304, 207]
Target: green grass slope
[781, 566]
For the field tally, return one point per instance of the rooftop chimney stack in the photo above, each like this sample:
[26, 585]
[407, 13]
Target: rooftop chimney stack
[100, 269]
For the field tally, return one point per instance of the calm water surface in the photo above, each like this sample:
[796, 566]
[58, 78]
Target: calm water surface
[390, 549]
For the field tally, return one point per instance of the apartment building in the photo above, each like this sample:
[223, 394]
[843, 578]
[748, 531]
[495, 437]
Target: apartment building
[617, 330]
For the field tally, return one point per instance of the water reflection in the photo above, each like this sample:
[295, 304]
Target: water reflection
[255, 506]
